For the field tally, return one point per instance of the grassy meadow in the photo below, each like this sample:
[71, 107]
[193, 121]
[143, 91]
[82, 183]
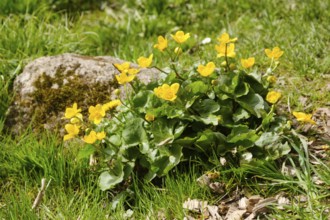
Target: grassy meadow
[128, 29]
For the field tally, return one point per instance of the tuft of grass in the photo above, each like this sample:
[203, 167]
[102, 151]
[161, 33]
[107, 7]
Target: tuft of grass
[27, 36]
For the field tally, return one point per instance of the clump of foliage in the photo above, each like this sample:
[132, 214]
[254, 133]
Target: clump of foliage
[221, 107]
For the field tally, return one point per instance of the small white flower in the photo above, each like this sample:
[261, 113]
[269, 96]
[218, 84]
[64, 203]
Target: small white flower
[206, 41]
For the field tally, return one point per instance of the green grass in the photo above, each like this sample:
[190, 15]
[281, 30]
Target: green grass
[128, 30]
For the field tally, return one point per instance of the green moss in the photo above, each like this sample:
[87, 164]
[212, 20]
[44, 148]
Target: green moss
[53, 94]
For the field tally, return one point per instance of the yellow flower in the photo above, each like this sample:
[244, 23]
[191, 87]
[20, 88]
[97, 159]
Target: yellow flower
[72, 112]
[180, 37]
[72, 130]
[149, 117]
[100, 135]
[145, 62]
[162, 43]
[275, 53]
[110, 105]
[123, 78]
[305, 118]
[247, 63]
[92, 137]
[206, 70]
[167, 92]
[133, 71]
[225, 39]
[273, 96]
[271, 79]
[225, 50]
[96, 113]
[122, 67]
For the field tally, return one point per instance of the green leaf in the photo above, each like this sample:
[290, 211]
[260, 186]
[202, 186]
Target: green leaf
[134, 133]
[207, 120]
[174, 154]
[240, 114]
[167, 159]
[228, 83]
[142, 100]
[253, 103]
[168, 110]
[254, 80]
[211, 94]
[191, 101]
[254, 76]
[196, 87]
[115, 140]
[226, 111]
[185, 141]
[206, 107]
[272, 145]
[165, 131]
[267, 120]
[86, 151]
[242, 89]
[178, 129]
[267, 138]
[209, 138]
[108, 179]
[242, 135]
[172, 112]
[171, 77]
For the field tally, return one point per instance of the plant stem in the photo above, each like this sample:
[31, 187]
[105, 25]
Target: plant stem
[160, 69]
[176, 72]
[173, 66]
[226, 57]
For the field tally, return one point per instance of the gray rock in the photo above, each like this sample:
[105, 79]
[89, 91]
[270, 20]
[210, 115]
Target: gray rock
[48, 85]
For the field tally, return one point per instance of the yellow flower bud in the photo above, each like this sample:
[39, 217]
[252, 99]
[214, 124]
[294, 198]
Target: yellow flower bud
[232, 66]
[223, 64]
[149, 117]
[220, 119]
[214, 82]
[116, 91]
[178, 50]
[271, 79]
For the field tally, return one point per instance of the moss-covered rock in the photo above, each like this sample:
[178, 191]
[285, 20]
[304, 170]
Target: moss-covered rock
[48, 85]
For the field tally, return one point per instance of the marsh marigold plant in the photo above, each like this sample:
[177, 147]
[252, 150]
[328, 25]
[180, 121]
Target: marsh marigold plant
[224, 108]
